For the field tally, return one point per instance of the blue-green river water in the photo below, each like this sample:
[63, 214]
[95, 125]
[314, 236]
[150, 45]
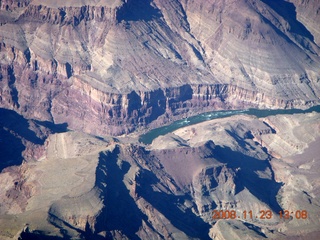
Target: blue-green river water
[148, 137]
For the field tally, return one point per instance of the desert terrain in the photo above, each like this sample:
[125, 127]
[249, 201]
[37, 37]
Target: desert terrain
[82, 81]
[83, 186]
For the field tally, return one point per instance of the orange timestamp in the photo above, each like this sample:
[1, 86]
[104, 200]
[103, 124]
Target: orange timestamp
[262, 214]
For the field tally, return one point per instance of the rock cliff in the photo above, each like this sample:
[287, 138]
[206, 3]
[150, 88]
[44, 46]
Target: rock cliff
[120, 65]
[87, 187]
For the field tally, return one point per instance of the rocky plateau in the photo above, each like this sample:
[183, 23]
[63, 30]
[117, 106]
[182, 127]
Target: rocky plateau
[81, 80]
[124, 65]
[86, 187]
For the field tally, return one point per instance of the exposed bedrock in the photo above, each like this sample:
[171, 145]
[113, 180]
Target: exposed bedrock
[83, 107]
[109, 64]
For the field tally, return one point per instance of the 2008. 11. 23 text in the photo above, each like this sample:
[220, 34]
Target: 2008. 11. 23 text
[262, 214]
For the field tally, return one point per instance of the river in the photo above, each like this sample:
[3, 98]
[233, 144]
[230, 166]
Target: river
[148, 137]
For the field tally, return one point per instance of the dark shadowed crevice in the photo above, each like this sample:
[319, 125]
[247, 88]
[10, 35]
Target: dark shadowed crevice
[154, 105]
[12, 86]
[273, 131]
[69, 70]
[38, 236]
[11, 149]
[137, 10]
[27, 55]
[54, 128]
[197, 53]
[168, 205]
[60, 224]
[255, 229]
[120, 212]
[134, 102]
[19, 125]
[288, 11]
[180, 94]
[14, 129]
[264, 189]
[62, 14]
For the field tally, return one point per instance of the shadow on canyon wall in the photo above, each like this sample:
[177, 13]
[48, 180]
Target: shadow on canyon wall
[121, 212]
[15, 130]
[168, 205]
[137, 10]
[38, 236]
[288, 11]
[265, 189]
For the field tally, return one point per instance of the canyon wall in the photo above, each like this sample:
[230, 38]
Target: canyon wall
[87, 187]
[109, 64]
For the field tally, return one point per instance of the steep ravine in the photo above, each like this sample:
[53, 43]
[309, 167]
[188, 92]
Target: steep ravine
[84, 107]
[108, 68]
[86, 187]
[57, 98]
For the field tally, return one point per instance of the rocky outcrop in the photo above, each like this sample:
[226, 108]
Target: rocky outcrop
[11, 5]
[87, 187]
[53, 97]
[62, 14]
[110, 64]
[110, 67]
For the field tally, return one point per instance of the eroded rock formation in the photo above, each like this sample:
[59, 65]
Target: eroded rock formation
[121, 65]
[72, 73]
[88, 187]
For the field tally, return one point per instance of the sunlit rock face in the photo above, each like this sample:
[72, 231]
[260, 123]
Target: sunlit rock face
[125, 64]
[77, 77]
[86, 187]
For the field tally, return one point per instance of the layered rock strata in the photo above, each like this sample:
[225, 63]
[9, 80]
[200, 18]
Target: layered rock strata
[108, 63]
[87, 187]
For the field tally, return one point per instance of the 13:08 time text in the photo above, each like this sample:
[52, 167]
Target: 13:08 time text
[262, 214]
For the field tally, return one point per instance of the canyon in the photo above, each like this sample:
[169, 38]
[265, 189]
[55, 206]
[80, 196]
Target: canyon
[125, 65]
[80, 81]
[86, 187]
